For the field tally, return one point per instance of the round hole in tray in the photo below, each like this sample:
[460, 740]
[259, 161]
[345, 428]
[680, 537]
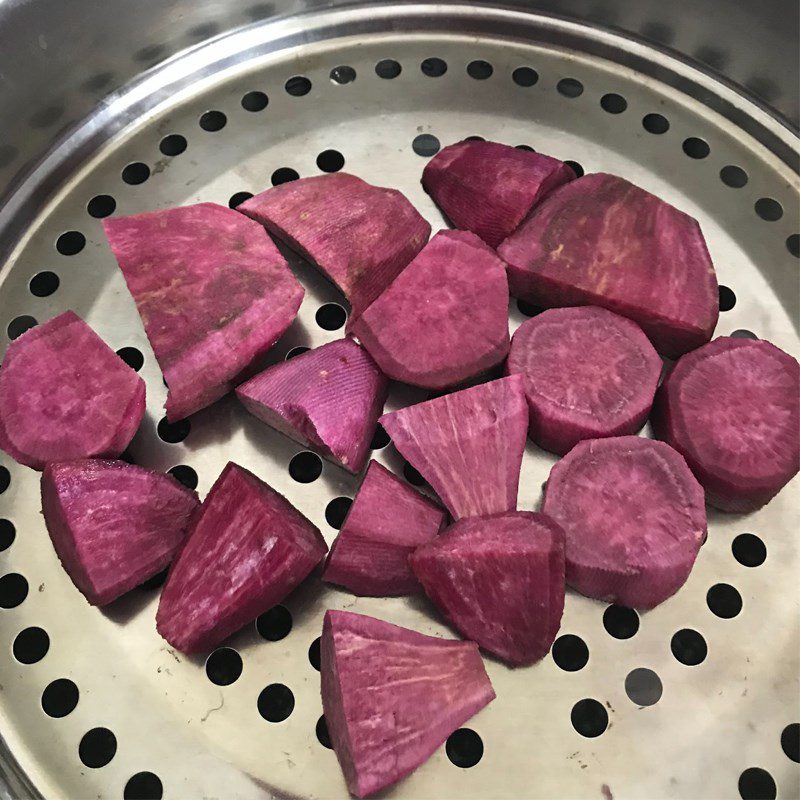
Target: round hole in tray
[305, 467]
[276, 702]
[212, 121]
[156, 582]
[314, 654]
[275, 624]
[13, 590]
[330, 317]
[323, 737]
[769, 209]
[576, 168]
[525, 76]
[695, 147]
[388, 68]
[173, 432]
[790, 741]
[43, 284]
[172, 144]
[132, 356]
[689, 647]
[412, 476]
[749, 550]
[5, 479]
[643, 687]
[343, 74]
[733, 176]
[70, 243]
[255, 101]
[19, 325]
[336, 511]
[184, 474]
[724, 600]
[379, 439]
[7, 534]
[224, 666]
[237, 198]
[743, 333]
[621, 622]
[528, 309]
[570, 652]
[433, 67]
[727, 298]
[613, 103]
[425, 144]
[97, 747]
[474, 139]
[296, 351]
[31, 645]
[464, 748]
[480, 70]
[757, 784]
[143, 786]
[284, 175]
[60, 697]
[570, 87]
[297, 86]
[589, 717]
[101, 205]
[330, 160]
[135, 173]
[525, 147]
[793, 244]
[655, 123]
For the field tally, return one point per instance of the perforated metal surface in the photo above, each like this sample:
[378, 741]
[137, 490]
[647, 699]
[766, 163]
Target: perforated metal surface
[674, 729]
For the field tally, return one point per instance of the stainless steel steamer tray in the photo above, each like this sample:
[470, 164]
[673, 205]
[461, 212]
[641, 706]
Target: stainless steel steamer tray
[700, 693]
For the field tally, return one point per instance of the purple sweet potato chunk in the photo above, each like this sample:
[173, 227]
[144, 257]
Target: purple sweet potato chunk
[392, 696]
[634, 518]
[213, 292]
[499, 580]
[386, 523]
[732, 409]
[65, 394]
[489, 188]
[468, 445]
[444, 318]
[360, 236]
[113, 524]
[589, 374]
[328, 398]
[246, 549]
[602, 241]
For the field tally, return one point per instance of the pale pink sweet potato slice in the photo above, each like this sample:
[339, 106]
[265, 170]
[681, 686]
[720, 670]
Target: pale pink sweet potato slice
[113, 524]
[392, 696]
[444, 318]
[732, 409]
[246, 549]
[489, 188]
[499, 580]
[359, 235]
[65, 394]
[589, 373]
[600, 240]
[387, 521]
[468, 445]
[213, 292]
[634, 518]
[328, 398]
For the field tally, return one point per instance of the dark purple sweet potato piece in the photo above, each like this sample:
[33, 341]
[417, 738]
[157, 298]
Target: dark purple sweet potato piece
[392, 696]
[489, 188]
[468, 445]
[65, 394]
[589, 374]
[732, 409]
[213, 292]
[360, 236]
[444, 319]
[113, 524]
[329, 398]
[386, 523]
[499, 580]
[634, 518]
[246, 549]
[602, 241]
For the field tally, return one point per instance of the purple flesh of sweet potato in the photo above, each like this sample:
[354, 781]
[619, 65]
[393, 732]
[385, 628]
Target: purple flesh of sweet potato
[589, 373]
[732, 409]
[213, 292]
[328, 398]
[113, 524]
[489, 188]
[246, 549]
[392, 696]
[602, 241]
[444, 319]
[387, 521]
[633, 515]
[360, 236]
[65, 394]
[499, 580]
[468, 445]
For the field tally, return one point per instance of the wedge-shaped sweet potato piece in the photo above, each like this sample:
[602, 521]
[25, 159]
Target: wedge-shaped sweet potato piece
[602, 241]
[386, 523]
[633, 515]
[65, 394]
[113, 524]
[499, 580]
[328, 398]
[489, 188]
[213, 292]
[392, 696]
[468, 445]
[246, 549]
[444, 319]
[732, 409]
[589, 373]
[359, 235]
